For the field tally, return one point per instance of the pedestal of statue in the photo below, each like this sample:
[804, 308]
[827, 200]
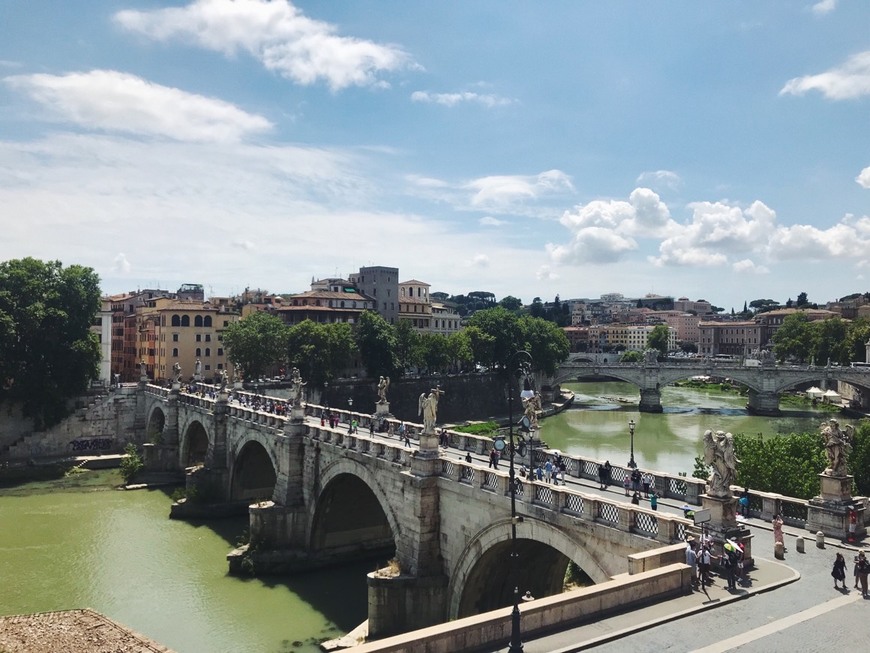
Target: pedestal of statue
[297, 413]
[829, 512]
[382, 410]
[426, 459]
[723, 525]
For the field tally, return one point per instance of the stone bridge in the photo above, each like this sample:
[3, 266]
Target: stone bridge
[765, 382]
[319, 496]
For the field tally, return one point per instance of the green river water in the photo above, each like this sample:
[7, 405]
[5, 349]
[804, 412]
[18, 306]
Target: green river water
[118, 552]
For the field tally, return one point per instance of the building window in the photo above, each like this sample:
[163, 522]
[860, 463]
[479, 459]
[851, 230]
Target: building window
[207, 352]
[199, 337]
[197, 321]
[206, 321]
[174, 337]
[198, 352]
[207, 367]
[220, 351]
[208, 337]
[220, 366]
[175, 352]
[176, 320]
[185, 320]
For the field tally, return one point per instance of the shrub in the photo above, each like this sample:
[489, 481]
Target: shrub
[132, 464]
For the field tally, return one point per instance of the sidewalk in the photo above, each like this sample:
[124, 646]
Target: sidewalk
[767, 575]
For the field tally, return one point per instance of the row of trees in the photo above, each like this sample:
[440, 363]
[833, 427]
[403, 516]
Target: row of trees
[801, 340]
[790, 464]
[261, 342]
[48, 354]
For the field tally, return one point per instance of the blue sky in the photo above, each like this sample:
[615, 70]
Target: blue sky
[708, 150]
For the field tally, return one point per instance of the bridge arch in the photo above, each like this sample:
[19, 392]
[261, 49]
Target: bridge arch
[482, 579]
[155, 424]
[253, 474]
[194, 444]
[352, 514]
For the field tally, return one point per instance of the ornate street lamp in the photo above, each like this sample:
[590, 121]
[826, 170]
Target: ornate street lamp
[631, 426]
[516, 643]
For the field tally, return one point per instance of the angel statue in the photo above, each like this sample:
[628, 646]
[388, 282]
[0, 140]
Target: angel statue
[532, 408]
[719, 454]
[383, 386]
[223, 377]
[176, 372]
[428, 408]
[296, 386]
[838, 443]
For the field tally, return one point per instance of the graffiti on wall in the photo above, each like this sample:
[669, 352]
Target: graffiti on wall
[92, 444]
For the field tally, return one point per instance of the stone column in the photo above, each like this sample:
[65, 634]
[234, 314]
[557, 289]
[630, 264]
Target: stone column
[650, 400]
[723, 525]
[763, 403]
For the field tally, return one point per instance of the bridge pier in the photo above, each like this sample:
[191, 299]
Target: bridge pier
[650, 400]
[763, 403]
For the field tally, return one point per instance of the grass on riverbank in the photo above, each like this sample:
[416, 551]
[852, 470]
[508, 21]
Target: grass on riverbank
[479, 428]
[41, 479]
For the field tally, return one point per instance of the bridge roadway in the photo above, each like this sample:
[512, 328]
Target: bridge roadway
[793, 605]
[766, 382]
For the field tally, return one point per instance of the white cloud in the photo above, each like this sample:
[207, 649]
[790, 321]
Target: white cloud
[277, 34]
[120, 264]
[502, 190]
[452, 99]
[717, 230]
[113, 101]
[806, 242]
[747, 266]
[846, 82]
[863, 177]
[824, 7]
[480, 261]
[489, 221]
[664, 178]
[546, 273]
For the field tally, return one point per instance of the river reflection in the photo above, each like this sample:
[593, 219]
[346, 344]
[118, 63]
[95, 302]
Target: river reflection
[119, 553]
[597, 424]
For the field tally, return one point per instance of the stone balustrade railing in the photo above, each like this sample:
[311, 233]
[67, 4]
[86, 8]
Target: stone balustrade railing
[762, 504]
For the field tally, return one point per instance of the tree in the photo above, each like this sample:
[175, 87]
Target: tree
[376, 342]
[537, 308]
[319, 350]
[482, 345]
[47, 352]
[829, 340]
[511, 303]
[546, 342]
[503, 327]
[858, 334]
[408, 352]
[802, 300]
[631, 357]
[435, 351]
[460, 347]
[342, 347]
[658, 339]
[257, 343]
[788, 464]
[859, 459]
[793, 338]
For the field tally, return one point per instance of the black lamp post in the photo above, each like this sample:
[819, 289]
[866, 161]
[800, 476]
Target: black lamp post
[516, 643]
[631, 426]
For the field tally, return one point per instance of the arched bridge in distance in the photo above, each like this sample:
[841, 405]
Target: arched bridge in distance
[766, 382]
[317, 495]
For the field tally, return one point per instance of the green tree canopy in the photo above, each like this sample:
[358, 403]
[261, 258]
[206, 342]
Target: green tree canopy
[257, 343]
[320, 350]
[408, 352]
[793, 339]
[376, 342]
[658, 339]
[545, 341]
[511, 303]
[47, 351]
[631, 357]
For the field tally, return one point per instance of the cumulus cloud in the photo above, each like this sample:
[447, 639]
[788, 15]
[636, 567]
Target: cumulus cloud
[863, 177]
[747, 266]
[848, 81]
[489, 221]
[113, 101]
[452, 99]
[664, 178]
[501, 190]
[278, 34]
[715, 231]
[806, 242]
[824, 7]
[546, 273]
[480, 261]
[120, 264]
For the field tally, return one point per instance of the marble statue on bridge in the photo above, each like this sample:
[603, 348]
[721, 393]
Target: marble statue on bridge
[719, 454]
[428, 408]
[296, 387]
[383, 386]
[838, 443]
[176, 373]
